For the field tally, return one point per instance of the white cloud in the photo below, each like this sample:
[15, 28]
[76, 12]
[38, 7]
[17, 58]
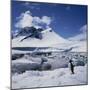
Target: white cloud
[27, 20]
[81, 36]
[83, 29]
[46, 19]
[36, 20]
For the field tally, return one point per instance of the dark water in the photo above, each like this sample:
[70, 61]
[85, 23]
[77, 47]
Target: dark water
[28, 48]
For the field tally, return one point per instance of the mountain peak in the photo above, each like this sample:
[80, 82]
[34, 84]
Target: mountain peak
[32, 37]
[28, 30]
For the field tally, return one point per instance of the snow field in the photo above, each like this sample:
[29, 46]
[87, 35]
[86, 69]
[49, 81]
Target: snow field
[57, 77]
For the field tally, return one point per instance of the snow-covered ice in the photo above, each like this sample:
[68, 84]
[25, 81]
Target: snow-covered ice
[57, 77]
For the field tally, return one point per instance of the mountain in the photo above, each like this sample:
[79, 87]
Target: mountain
[45, 40]
[48, 38]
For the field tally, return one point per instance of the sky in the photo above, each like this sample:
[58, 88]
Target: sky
[67, 20]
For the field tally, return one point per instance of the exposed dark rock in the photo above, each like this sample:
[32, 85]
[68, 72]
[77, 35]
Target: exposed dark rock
[17, 56]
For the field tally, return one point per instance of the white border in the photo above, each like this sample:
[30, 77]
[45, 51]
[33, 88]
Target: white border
[5, 44]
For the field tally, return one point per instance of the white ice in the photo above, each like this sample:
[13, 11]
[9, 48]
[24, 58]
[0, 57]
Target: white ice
[57, 77]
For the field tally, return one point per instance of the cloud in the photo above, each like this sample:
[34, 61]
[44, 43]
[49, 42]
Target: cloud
[27, 20]
[83, 29]
[82, 36]
[46, 20]
[36, 20]
[43, 22]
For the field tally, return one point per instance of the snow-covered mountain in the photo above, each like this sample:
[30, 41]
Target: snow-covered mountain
[46, 39]
[49, 38]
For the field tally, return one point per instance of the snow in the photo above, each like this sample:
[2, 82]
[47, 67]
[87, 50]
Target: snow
[61, 51]
[49, 39]
[79, 46]
[52, 40]
[56, 59]
[57, 77]
[19, 52]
